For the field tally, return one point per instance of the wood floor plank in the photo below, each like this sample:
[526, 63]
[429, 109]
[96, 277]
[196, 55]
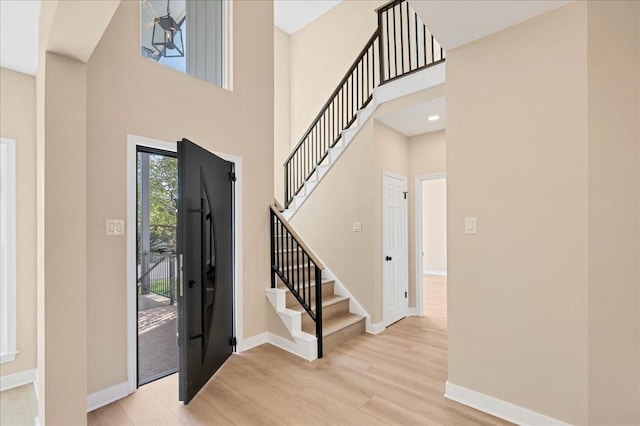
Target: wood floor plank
[322, 380]
[197, 412]
[338, 411]
[235, 406]
[396, 377]
[144, 408]
[16, 406]
[281, 405]
[393, 414]
[111, 415]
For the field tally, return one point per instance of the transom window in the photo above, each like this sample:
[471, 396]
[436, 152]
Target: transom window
[190, 36]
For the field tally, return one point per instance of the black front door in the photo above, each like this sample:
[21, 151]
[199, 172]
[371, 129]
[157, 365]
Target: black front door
[205, 249]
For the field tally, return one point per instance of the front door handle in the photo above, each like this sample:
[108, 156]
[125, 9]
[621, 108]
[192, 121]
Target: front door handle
[388, 258]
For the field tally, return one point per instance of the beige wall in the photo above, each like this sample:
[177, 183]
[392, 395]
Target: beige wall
[62, 360]
[614, 76]
[554, 186]
[321, 54]
[281, 109]
[355, 184]
[434, 226]
[126, 94]
[18, 122]
[349, 185]
[427, 156]
[517, 160]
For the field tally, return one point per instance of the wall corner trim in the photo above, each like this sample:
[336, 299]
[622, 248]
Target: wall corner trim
[19, 379]
[496, 407]
[107, 396]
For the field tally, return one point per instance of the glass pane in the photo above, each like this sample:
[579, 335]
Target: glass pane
[186, 35]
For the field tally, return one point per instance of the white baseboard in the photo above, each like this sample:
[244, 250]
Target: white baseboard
[413, 312]
[375, 328]
[252, 342]
[19, 379]
[497, 407]
[107, 396]
[291, 347]
[439, 272]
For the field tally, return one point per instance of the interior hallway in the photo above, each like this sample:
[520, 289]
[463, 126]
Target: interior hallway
[396, 377]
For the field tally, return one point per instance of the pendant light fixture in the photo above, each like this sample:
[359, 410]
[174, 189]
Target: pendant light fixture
[167, 36]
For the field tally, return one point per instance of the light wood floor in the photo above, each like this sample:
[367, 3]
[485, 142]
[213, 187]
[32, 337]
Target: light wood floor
[396, 377]
[18, 406]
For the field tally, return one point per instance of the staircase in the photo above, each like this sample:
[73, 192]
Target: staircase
[317, 314]
[401, 45]
[316, 317]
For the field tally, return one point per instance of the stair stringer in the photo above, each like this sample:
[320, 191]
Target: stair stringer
[407, 85]
[304, 345]
[354, 306]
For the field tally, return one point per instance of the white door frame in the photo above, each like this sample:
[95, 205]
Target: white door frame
[405, 253]
[418, 238]
[134, 141]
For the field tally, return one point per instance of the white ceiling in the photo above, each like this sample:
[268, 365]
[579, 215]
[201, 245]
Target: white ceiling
[455, 23]
[292, 15]
[19, 22]
[413, 121]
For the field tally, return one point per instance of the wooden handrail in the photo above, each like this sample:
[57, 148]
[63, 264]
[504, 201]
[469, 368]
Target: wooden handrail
[297, 237]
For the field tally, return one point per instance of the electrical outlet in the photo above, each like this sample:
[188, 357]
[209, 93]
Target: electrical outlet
[357, 226]
[115, 227]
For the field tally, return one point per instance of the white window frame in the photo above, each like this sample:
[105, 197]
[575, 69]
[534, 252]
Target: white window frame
[8, 348]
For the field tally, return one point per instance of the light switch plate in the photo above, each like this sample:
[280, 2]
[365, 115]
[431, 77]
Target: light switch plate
[115, 227]
[357, 226]
[470, 226]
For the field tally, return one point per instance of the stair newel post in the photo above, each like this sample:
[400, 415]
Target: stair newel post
[272, 217]
[319, 309]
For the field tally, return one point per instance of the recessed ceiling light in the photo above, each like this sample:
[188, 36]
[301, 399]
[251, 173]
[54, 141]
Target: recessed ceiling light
[433, 117]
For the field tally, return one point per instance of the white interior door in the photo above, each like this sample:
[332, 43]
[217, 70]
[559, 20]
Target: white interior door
[394, 248]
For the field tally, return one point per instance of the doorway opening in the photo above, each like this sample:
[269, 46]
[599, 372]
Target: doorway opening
[156, 261]
[188, 319]
[431, 269]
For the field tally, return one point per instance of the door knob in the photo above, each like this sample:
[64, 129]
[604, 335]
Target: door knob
[388, 258]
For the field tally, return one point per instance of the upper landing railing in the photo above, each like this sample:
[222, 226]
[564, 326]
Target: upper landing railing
[401, 44]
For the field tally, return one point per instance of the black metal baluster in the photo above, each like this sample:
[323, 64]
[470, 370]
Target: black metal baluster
[297, 266]
[366, 61]
[424, 42]
[433, 58]
[395, 42]
[286, 183]
[281, 243]
[401, 40]
[408, 35]
[273, 248]
[415, 21]
[319, 310]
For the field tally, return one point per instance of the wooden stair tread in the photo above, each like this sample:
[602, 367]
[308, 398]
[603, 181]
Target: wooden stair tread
[313, 284]
[326, 302]
[338, 323]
